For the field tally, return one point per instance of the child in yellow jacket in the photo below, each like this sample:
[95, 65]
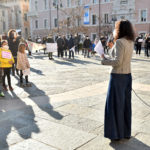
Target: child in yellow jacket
[6, 62]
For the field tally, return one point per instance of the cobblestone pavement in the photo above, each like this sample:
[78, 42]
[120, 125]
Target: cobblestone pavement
[64, 108]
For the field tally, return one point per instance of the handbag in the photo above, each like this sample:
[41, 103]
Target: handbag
[26, 72]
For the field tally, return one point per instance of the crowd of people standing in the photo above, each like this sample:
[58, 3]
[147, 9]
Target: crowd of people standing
[142, 42]
[67, 47]
[71, 46]
[13, 59]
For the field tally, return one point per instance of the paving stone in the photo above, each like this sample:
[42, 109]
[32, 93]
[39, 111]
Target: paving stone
[8, 138]
[79, 123]
[64, 108]
[58, 135]
[30, 145]
[85, 112]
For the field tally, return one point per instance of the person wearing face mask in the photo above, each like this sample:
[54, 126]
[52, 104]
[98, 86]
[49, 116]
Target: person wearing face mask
[118, 109]
[87, 43]
[7, 61]
[60, 44]
[13, 43]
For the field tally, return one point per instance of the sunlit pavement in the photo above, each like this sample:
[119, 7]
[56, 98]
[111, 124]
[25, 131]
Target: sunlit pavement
[64, 108]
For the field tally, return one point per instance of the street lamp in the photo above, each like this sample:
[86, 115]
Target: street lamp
[57, 5]
[50, 15]
[99, 17]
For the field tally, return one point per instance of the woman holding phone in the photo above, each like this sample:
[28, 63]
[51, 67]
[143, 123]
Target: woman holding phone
[118, 102]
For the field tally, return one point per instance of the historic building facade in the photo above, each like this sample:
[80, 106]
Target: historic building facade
[4, 17]
[70, 17]
[86, 16]
[16, 16]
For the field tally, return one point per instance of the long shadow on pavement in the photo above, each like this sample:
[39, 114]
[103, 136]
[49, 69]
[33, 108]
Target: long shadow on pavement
[135, 60]
[37, 71]
[132, 144]
[42, 101]
[82, 62]
[15, 117]
[62, 62]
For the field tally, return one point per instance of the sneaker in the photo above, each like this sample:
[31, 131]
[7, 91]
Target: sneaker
[22, 85]
[28, 85]
[2, 94]
[5, 88]
[10, 88]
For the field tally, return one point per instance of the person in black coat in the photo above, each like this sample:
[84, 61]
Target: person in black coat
[138, 42]
[50, 40]
[103, 40]
[70, 46]
[65, 45]
[44, 42]
[60, 44]
[147, 47]
[30, 39]
[87, 43]
[76, 42]
[13, 43]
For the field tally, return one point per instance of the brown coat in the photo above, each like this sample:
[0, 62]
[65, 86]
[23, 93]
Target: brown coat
[22, 61]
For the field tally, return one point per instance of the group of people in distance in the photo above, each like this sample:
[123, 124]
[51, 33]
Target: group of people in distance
[143, 42]
[118, 109]
[72, 45]
[13, 59]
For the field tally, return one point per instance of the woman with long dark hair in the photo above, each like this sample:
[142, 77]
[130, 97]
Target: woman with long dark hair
[118, 103]
[13, 43]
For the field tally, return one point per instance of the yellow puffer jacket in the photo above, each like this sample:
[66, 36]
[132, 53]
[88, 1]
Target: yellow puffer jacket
[5, 57]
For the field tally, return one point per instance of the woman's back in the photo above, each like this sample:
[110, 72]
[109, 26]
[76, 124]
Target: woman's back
[121, 63]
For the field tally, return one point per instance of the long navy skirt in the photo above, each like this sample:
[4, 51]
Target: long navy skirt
[117, 124]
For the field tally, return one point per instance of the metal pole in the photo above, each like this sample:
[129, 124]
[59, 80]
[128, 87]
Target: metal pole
[99, 17]
[58, 17]
[50, 13]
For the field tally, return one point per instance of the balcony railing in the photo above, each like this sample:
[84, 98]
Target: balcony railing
[32, 14]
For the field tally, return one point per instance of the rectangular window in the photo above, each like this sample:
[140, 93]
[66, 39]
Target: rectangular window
[68, 22]
[68, 3]
[106, 18]
[36, 5]
[93, 19]
[3, 13]
[4, 26]
[123, 1]
[94, 1]
[45, 23]
[143, 15]
[55, 22]
[26, 32]
[79, 2]
[93, 36]
[55, 3]
[106, 1]
[78, 21]
[36, 24]
[45, 4]
[25, 17]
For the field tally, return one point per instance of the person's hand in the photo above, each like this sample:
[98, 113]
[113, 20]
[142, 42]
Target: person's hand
[14, 40]
[10, 62]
